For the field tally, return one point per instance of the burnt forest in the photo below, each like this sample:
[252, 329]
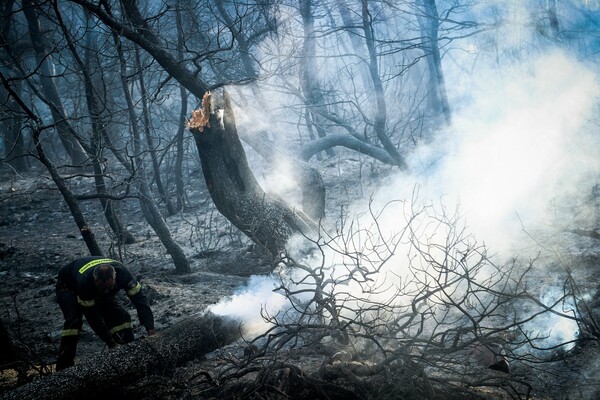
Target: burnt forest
[319, 199]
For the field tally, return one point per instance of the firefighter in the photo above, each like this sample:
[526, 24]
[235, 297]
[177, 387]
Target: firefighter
[87, 286]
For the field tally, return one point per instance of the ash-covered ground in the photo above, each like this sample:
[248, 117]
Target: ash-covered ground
[38, 236]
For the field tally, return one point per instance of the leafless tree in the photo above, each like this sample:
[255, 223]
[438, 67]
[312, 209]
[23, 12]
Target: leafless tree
[430, 23]
[37, 128]
[149, 207]
[49, 91]
[97, 128]
[417, 310]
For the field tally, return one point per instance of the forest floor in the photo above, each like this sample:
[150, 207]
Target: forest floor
[38, 236]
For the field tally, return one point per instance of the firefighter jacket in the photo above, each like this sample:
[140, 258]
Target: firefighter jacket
[77, 277]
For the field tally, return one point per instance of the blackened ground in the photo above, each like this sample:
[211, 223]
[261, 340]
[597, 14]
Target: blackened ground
[38, 236]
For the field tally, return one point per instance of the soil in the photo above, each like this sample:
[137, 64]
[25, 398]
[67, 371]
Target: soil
[38, 236]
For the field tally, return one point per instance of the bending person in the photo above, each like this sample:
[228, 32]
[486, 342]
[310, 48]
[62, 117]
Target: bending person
[88, 286]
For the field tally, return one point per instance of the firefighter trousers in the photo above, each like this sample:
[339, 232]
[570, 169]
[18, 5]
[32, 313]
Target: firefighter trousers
[116, 318]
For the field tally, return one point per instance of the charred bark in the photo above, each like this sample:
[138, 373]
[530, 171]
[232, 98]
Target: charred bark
[102, 377]
[430, 25]
[309, 76]
[348, 141]
[152, 149]
[380, 118]
[232, 186]
[178, 170]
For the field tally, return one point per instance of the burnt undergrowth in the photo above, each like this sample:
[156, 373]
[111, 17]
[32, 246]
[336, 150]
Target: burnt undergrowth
[366, 313]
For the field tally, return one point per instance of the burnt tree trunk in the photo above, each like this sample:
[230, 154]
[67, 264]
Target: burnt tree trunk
[152, 148]
[68, 196]
[430, 24]
[309, 76]
[52, 97]
[147, 204]
[102, 377]
[178, 169]
[231, 184]
[84, 229]
[380, 118]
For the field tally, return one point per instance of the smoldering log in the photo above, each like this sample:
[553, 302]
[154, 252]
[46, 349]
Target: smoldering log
[102, 376]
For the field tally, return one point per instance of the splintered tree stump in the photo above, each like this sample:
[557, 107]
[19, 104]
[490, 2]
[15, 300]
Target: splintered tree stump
[233, 188]
[101, 377]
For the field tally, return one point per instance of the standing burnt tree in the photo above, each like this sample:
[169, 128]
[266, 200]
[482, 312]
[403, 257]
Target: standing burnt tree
[233, 187]
[221, 45]
[231, 44]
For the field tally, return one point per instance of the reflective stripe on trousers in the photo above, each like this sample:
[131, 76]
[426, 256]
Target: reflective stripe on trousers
[126, 325]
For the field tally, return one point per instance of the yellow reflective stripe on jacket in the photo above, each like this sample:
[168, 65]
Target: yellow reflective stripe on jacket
[69, 332]
[126, 325]
[86, 303]
[134, 290]
[93, 263]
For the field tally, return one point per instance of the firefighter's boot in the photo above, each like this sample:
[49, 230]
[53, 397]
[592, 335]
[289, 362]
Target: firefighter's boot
[67, 351]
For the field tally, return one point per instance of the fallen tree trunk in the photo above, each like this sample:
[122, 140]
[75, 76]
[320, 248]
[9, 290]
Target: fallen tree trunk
[101, 377]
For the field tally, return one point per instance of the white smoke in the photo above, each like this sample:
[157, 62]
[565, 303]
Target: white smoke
[250, 303]
[522, 145]
[551, 329]
[520, 151]
[518, 162]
